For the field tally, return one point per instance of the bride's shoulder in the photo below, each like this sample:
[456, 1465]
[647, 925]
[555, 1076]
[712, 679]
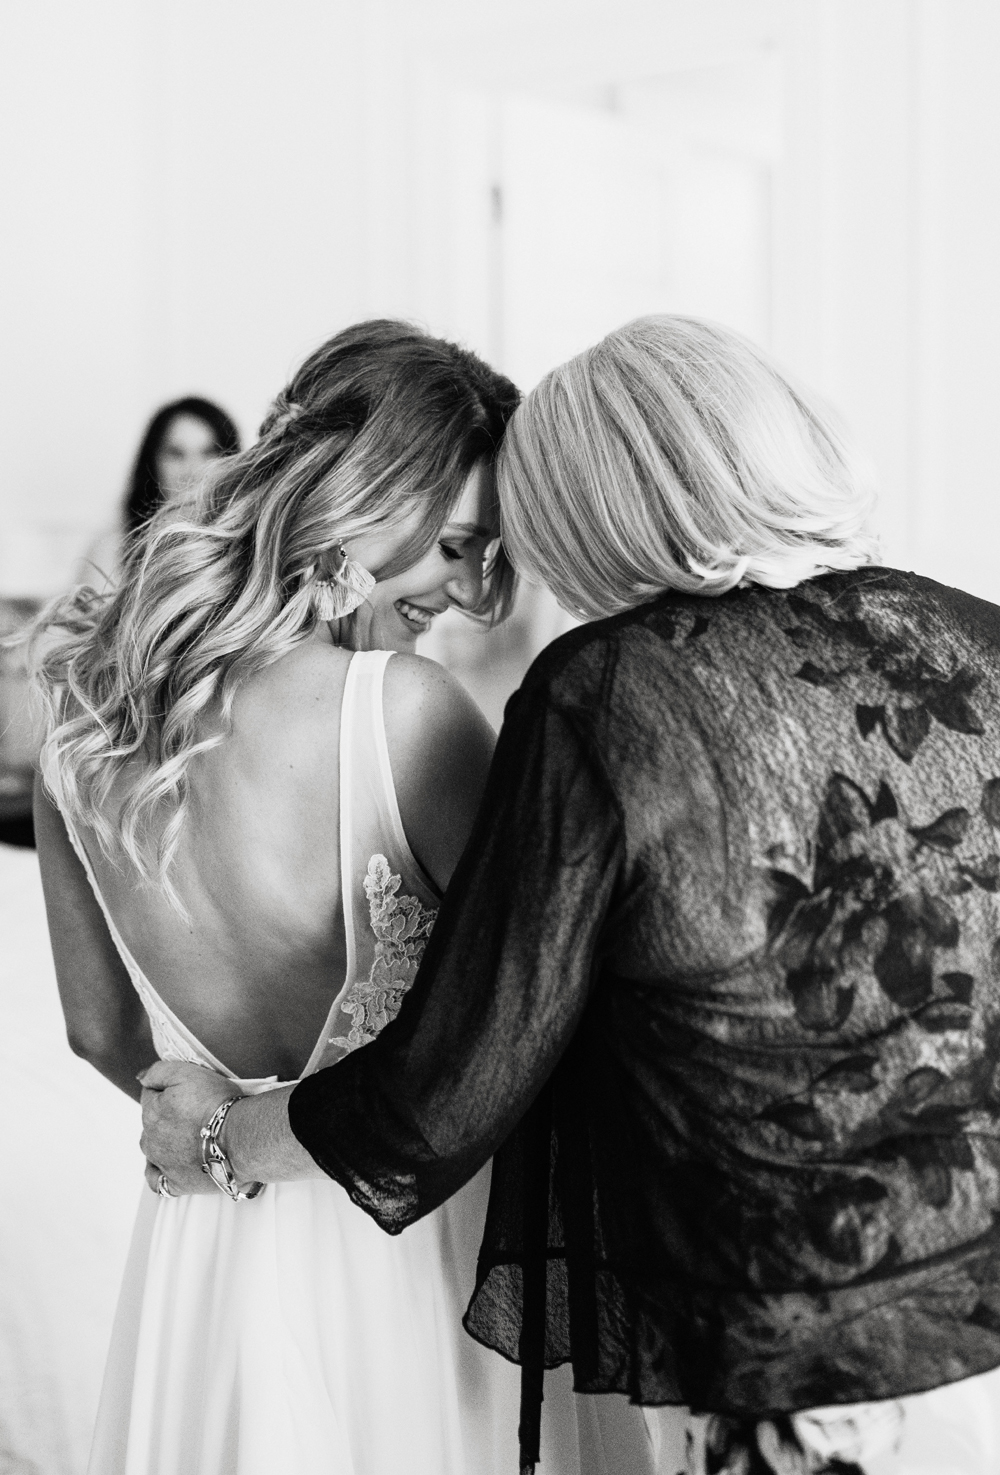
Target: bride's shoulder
[427, 709]
[440, 748]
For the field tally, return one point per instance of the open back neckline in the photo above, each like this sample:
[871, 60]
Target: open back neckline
[375, 661]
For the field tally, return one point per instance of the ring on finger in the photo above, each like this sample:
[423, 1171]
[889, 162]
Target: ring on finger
[163, 1187]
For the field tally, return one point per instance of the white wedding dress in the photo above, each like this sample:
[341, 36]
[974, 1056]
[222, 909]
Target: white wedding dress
[288, 1335]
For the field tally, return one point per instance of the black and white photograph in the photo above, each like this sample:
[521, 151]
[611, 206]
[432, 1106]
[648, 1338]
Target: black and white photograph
[500, 737]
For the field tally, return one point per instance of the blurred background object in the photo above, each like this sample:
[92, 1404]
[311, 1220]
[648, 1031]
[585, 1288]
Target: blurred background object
[18, 730]
[197, 194]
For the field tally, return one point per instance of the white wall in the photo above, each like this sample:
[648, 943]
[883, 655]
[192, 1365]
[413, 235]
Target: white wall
[886, 248]
[198, 193]
[185, 191]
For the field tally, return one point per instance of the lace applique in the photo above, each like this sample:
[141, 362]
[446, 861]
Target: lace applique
[401, 927]
[168, 1043]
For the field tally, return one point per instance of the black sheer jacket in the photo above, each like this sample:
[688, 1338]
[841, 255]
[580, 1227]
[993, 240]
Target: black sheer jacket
[729, 925]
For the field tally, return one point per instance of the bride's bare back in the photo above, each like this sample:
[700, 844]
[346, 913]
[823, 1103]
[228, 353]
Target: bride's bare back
[253, 971]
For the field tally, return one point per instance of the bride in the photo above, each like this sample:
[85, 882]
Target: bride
[254, 795]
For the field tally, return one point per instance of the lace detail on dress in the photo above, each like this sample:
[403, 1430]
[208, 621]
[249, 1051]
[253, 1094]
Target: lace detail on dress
[167, 1042]
[402, 927]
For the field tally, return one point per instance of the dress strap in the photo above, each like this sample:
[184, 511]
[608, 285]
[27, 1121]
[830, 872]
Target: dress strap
[388, 899]
[370, 821]
[360, 780]
[358, 765]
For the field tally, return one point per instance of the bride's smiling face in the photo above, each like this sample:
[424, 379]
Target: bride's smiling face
[450, 574]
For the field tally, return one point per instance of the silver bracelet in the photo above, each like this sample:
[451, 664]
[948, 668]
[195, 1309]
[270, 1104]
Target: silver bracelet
[214, 1161]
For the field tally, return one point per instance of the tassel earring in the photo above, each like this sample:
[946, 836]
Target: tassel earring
[342, 591]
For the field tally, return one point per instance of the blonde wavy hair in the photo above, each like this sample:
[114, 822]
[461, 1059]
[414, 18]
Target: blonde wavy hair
[675, 455]
[381, 420]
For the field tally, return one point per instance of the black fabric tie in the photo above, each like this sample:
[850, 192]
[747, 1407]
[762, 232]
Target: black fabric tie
[537, 1132]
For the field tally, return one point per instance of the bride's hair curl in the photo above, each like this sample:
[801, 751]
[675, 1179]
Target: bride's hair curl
[379, 421]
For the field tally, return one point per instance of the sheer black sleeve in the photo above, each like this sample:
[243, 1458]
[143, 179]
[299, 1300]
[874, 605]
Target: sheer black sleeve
[406, 1121]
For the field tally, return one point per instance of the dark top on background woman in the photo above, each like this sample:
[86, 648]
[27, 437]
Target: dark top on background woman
[737, 873]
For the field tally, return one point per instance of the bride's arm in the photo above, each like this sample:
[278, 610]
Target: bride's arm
[105, 1021]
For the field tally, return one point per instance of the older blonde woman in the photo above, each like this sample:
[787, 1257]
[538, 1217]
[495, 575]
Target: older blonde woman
[728, 925]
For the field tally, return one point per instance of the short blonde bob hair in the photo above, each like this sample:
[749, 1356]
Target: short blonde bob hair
[675, 455]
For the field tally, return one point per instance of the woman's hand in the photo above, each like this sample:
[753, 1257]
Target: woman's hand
[178, 1099]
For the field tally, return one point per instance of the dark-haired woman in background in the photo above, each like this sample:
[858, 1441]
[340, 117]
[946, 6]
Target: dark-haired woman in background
[181, 440]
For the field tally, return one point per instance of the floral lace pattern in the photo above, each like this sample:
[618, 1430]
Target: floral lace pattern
[880, 906]
[168, 1042]
[898, 686]
[401, 927]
